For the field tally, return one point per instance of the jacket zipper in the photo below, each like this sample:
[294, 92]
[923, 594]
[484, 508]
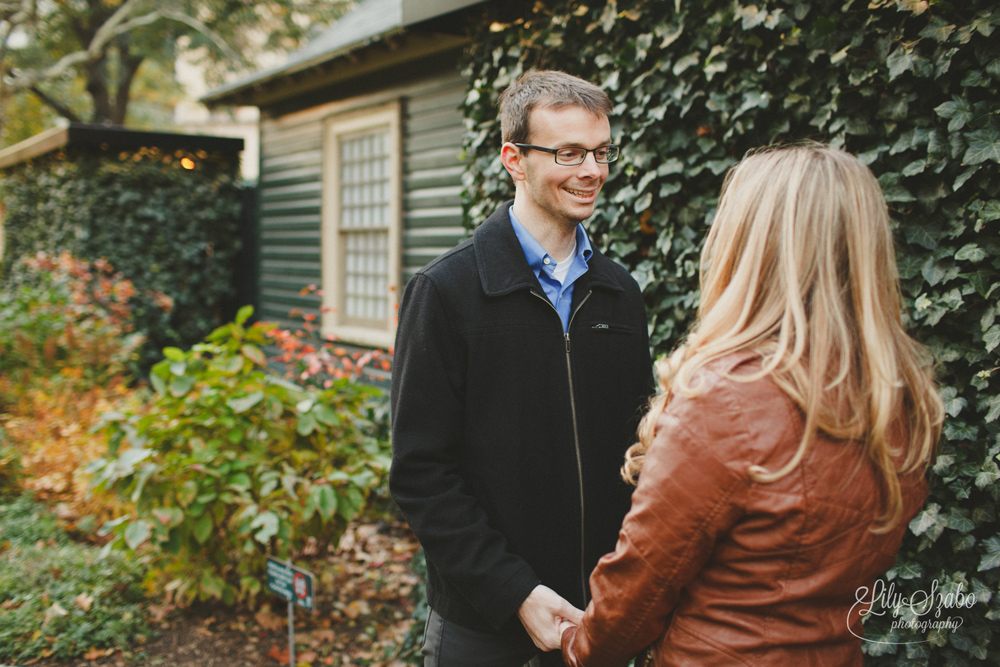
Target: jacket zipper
[576, 437]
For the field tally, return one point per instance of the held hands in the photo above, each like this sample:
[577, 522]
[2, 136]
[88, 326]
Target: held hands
[545, 614]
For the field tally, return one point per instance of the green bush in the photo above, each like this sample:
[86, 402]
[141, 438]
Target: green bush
[59, 313]
[231, 463]
[910, 86]
[58, 599]
[170, 229]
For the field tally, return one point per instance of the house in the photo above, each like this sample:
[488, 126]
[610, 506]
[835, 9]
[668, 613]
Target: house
[360, 162]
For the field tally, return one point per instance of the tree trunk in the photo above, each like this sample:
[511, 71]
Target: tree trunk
[127, 69]
[97, 87]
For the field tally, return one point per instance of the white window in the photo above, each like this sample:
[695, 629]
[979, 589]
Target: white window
[362, 218]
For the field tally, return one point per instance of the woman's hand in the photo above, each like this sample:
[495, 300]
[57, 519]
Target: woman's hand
[543, 613]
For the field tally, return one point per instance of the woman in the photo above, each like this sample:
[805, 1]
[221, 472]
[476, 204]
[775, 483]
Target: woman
[785, 452]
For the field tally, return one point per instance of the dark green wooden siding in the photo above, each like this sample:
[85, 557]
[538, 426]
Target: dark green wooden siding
[291, 189]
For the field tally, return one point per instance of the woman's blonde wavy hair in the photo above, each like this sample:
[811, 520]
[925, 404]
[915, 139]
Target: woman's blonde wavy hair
[799, 266]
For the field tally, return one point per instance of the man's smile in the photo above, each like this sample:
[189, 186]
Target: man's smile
[585, 194]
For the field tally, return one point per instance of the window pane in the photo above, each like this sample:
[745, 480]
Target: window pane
[365, 182]
[366, 283]
[364, 223]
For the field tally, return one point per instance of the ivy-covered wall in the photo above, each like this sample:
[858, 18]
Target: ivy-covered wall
[168, 220]
[911, 86]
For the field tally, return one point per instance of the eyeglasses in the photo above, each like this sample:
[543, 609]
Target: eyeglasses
[571, 156]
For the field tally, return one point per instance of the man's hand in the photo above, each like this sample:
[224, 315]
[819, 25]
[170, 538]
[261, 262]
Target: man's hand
[542, 612]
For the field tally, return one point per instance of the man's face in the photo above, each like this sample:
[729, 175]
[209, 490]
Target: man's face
[559, 194]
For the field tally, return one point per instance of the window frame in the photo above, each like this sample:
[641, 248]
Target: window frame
[333, 245]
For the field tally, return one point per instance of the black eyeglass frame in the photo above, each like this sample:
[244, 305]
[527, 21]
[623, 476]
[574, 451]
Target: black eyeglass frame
[555, 153]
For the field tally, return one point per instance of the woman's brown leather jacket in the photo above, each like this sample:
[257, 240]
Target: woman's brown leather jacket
[712, 568]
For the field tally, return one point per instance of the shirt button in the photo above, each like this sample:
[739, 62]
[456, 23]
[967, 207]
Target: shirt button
[546, 261]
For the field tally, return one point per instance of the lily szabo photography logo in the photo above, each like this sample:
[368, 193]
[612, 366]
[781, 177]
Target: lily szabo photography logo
[922, 610]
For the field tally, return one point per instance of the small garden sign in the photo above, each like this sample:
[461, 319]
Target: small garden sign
[295, 585]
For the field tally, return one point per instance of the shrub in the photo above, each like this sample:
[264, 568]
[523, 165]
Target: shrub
[231, 463]
[65, 315]
[910, 86]
[58, 599]
[169, 228]
[317, 361]
[66, 349]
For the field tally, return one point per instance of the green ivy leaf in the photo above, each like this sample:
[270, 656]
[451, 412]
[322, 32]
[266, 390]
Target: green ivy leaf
[981, 281]
[992, 337]
[938, 30]
[958, 110]
[908, 570]
[958, 521]
[971, 252]
[928, 522]
[921, 236]
[983, 145]
[992, 404]
[990, 211]
[989, 562]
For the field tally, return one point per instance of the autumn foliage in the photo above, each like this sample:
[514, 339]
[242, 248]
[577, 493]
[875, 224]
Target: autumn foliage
[67, 347]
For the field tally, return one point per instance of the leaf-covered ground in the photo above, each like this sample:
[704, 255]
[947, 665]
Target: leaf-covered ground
[364, 606]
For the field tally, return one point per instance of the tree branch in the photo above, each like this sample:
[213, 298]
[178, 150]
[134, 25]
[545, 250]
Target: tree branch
[25, 80]
[115, 26]
[209, 33]
[63, 111]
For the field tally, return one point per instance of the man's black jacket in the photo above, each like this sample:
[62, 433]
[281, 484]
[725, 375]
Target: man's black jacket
[500, 486]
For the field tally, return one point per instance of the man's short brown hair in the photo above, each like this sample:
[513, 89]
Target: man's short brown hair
[547, 89]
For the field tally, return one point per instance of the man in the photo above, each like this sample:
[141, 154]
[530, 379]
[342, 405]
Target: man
[521, 367]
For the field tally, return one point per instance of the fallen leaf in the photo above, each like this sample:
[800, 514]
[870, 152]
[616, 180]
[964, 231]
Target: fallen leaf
[323, 636]
[157, 612]
[269, 621]
[55, 611]
[84, 601]
[278, 654]
[97, 654]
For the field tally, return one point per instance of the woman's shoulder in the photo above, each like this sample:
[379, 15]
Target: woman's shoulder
[729, 405]
[734, 381]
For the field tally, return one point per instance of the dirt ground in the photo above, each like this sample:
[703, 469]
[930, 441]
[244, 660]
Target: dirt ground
[364, 604]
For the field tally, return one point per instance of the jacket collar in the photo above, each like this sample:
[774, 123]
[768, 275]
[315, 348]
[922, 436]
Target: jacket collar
[503, 268]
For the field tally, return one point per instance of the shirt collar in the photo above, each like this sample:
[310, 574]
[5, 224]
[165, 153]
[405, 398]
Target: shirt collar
[535, 253]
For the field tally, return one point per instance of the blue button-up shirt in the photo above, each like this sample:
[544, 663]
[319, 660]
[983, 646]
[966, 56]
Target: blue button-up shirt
[543, 264]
